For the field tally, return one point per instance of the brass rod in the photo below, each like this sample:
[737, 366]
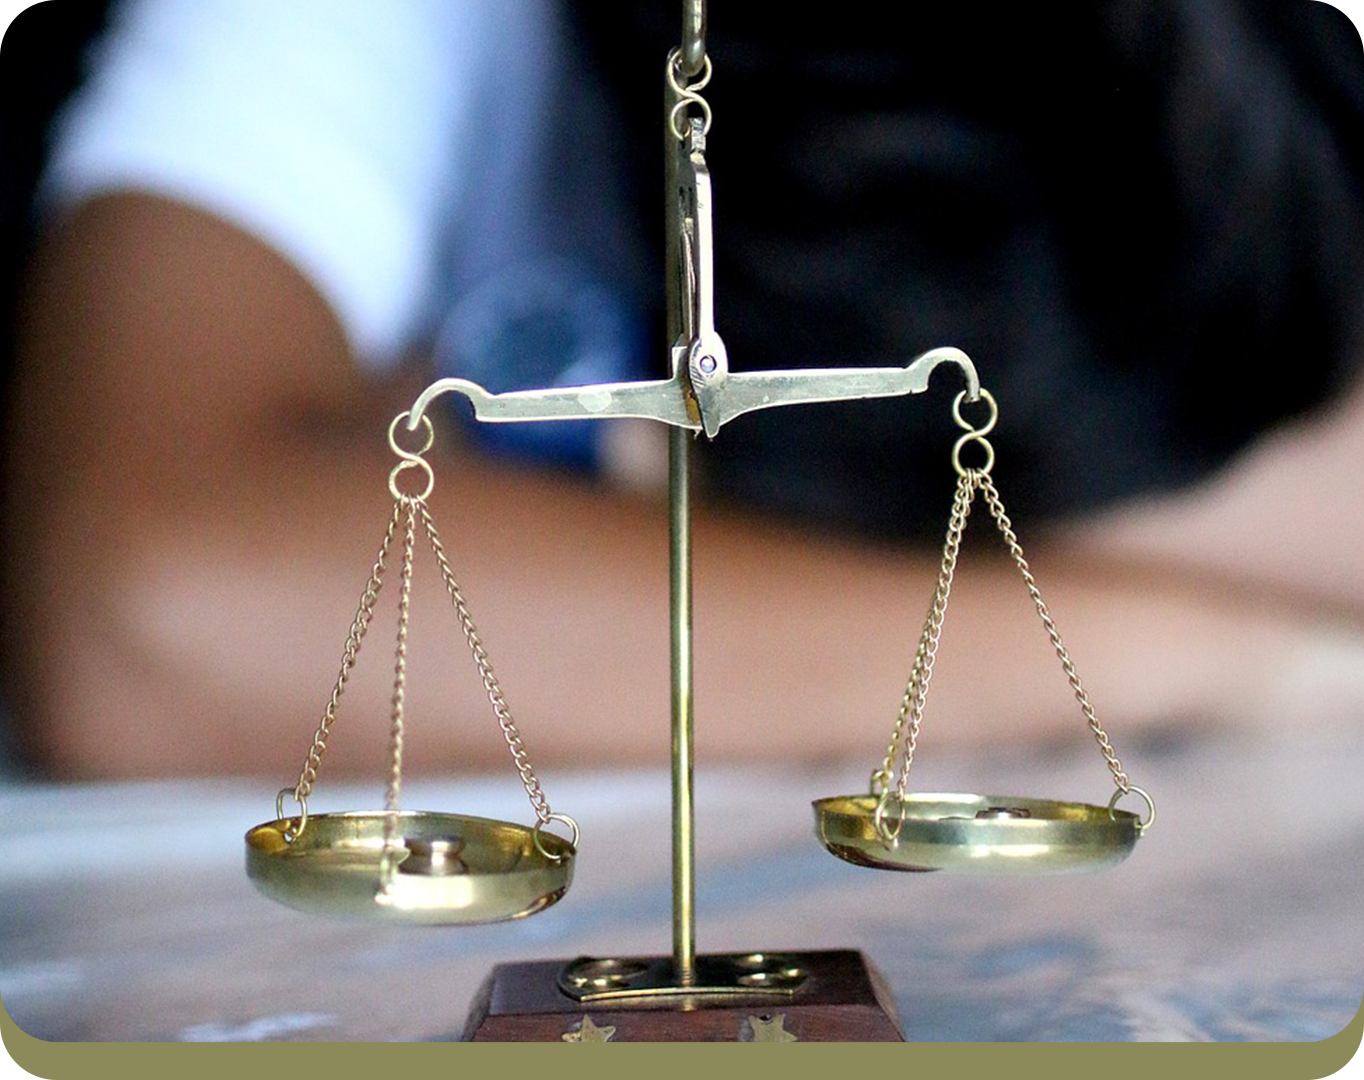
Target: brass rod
[684, 841]
[680, 596]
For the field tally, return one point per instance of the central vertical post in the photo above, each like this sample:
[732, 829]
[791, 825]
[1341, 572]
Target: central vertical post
[678, 307]
[684, 842]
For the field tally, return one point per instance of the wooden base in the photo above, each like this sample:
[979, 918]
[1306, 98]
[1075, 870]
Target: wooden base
[843, 1000]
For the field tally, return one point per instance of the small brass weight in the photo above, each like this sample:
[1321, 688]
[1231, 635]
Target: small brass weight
[442, 868]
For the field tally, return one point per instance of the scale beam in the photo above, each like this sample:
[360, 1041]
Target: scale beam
[664, 400]
[703, 394]
[697, 399]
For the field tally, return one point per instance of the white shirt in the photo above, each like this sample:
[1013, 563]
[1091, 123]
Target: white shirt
[352, 136]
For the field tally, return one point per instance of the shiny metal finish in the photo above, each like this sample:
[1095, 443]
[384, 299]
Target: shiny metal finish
[491, 686]
[681, 326]
[687, 96]
[683, 727]
[979, 834]
[1120, 778]
[727, 394]
[451, 869]
[693, 51]
[887, 818]
[395, 865]
[736, 975]
[312, 763]
[702, 394]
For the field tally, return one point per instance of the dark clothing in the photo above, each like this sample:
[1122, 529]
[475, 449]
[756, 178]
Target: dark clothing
[1143, 219]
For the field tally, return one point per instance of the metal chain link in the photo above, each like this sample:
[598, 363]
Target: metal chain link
[313, 763]
[991, 493]
[916, 691]
[393, 796]
[688, 94]
[529, 781]
[912, 704]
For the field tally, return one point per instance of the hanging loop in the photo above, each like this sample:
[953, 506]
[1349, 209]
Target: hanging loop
[974, 434]
[688, 94]
[410, 460]
[890, 837]
[416, 496]
[410, 455]
[1142, 826]
[295, 828]
[539, 828]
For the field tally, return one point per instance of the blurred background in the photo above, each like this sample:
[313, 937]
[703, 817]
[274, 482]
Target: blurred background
[1141, 218]
[240, 235]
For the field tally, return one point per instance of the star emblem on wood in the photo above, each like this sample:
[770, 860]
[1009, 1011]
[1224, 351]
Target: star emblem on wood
[770, 1029]
[587, 1031]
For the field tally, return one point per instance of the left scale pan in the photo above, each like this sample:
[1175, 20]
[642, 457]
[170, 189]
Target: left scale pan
[446, 869]
[405, 866]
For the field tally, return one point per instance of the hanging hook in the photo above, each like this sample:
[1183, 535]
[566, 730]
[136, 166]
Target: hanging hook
[693, 53]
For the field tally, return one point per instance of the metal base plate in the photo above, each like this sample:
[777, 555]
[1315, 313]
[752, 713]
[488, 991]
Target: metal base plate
[744, 975]
[456, 870]
[993, 834]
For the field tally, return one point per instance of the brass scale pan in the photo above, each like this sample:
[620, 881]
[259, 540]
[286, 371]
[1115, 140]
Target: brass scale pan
[464, 870]
[454, 869]
[987, 834]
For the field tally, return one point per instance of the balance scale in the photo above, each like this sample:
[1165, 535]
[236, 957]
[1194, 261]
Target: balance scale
[430, 868]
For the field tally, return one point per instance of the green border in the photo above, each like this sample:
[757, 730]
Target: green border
[1340, 1054]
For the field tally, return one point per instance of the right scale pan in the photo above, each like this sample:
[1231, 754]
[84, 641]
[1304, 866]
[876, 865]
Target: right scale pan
[983, 834]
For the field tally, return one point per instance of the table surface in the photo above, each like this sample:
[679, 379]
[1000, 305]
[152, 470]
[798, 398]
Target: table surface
[125, 912]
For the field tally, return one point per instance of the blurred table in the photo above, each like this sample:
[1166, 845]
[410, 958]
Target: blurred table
[125, 913]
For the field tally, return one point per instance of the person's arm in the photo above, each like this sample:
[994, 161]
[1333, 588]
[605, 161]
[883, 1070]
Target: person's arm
[198, 485]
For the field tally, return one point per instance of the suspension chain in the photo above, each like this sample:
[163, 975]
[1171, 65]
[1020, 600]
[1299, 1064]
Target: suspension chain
[916, 690]
[393, 795]
[529, 781]
[910, 717]
[313, 763]
[991, 493]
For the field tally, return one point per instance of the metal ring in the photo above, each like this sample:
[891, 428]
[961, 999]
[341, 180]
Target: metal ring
[1142, 826]
[292, 832]
[989, 399]
[971, 437]
[880, 781]
[688, 95]
[888, 837]
[539, 844]
[675, 66]
[412, 463]
[680, 107]
[409, 455]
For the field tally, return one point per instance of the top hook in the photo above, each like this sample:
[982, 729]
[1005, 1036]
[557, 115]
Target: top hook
[693, 53]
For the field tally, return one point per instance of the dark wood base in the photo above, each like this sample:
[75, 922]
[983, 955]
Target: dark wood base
[844, 1000]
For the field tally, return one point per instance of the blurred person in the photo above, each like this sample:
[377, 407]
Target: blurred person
[268, 226]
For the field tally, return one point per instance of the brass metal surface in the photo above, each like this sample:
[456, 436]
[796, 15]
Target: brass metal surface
[986, 834]
[681, 286]
[683, 724]
[723, 394]
[654, 979]
[451, 869]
